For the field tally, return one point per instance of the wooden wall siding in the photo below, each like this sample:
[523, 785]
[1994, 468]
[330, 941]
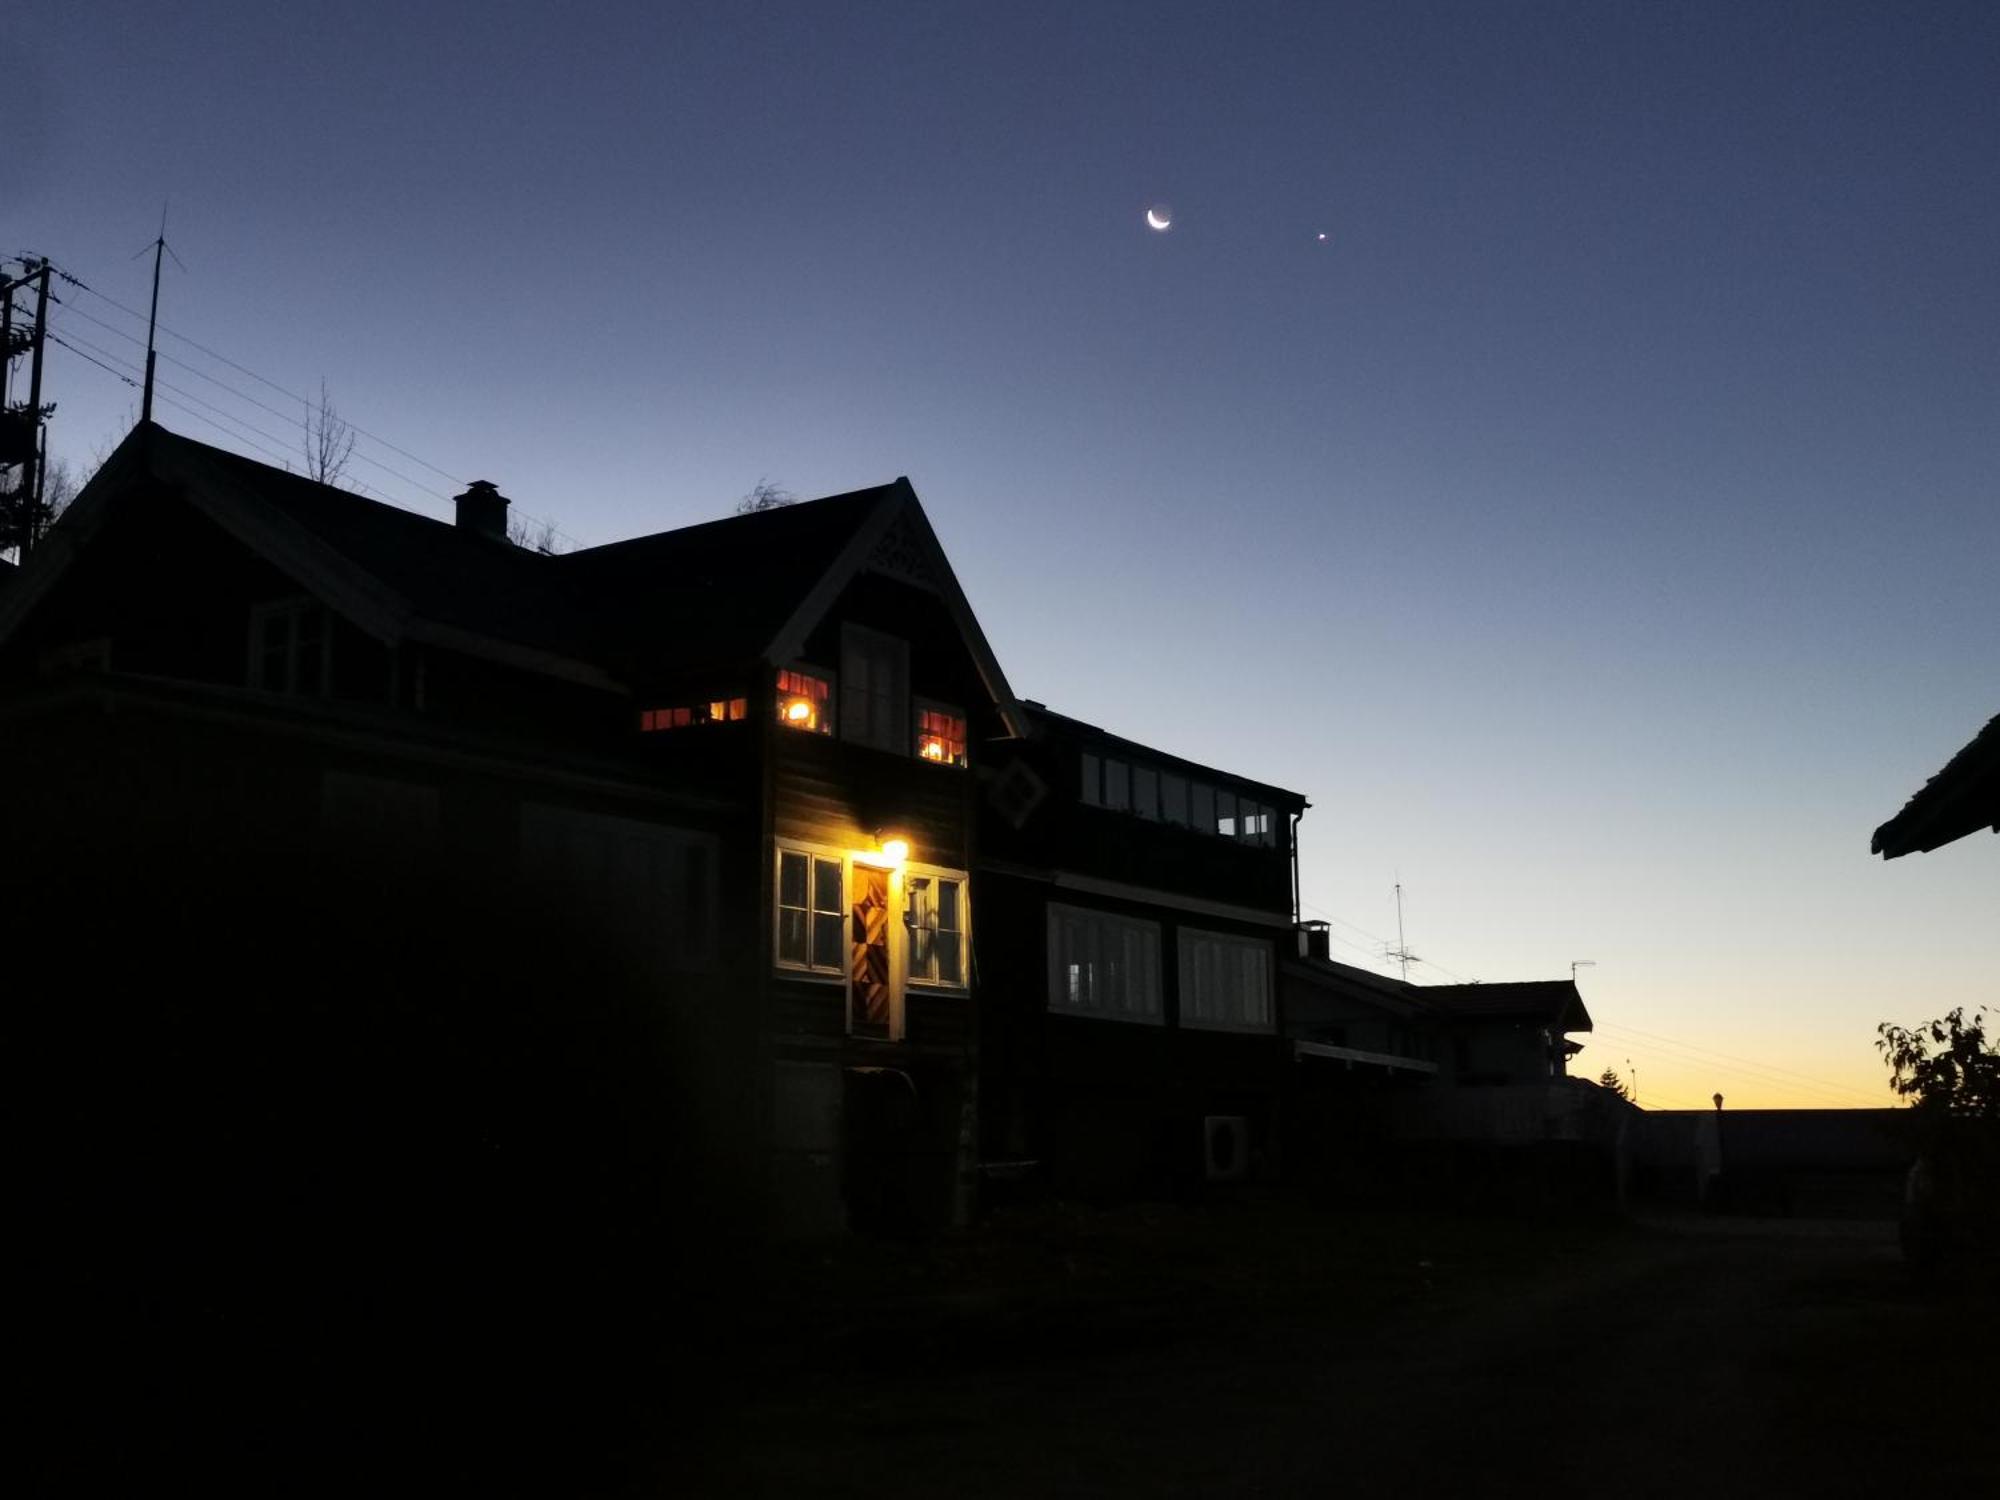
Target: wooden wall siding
[935, 1022]
[802, 1008]
[828, 792]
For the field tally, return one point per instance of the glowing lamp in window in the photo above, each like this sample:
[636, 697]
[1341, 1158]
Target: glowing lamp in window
[802, 702]
[941, 736]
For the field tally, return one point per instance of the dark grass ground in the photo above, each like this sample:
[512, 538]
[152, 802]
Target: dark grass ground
[1262, 1347]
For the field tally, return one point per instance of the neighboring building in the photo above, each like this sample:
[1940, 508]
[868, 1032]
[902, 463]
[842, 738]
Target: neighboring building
[1130, 1035]
[718, 781]
[1961, 799]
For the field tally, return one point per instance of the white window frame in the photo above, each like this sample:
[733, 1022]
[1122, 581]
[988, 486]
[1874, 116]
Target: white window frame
[963, 983]
[1226, 961]
[1104, 927]
[837, 971]
[871, 714]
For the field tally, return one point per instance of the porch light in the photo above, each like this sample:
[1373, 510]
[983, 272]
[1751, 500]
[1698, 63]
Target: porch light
[888, 853]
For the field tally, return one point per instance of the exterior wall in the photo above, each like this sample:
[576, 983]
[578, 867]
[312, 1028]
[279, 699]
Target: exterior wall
[871, 1133]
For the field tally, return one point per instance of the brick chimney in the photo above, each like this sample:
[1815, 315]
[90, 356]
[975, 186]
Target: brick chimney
[482, 508]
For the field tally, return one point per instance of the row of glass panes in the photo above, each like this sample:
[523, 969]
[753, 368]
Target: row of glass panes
[720, 711]
[1167, 797]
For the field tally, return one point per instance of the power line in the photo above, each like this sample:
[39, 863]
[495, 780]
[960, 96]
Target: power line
[262, 379]
[1726, 1062]
[1834, 1094]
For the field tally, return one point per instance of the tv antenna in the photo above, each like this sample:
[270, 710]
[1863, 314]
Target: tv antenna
[1401, 952]
[1580, 963]
[158, 247]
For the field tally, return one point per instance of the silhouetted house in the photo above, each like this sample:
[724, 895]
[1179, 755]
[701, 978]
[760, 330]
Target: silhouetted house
[1358, 1041]
[1130, 1035]
[674, 836]
[1513, 1033]
[1961, 799]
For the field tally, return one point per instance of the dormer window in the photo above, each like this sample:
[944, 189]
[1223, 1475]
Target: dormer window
[874, 689]
[291, 647]
[940, 734]
[805, 701]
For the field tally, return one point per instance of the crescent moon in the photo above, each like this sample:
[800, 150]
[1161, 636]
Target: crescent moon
[1157, 220]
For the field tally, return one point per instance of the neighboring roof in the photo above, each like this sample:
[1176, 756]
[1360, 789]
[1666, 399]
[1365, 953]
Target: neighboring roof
[1961, 799]
[1354, 983]
[1556, 1001]
[729, 592]
[1045, 720]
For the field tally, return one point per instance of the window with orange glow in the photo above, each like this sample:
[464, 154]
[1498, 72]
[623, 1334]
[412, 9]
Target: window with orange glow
[940, 735]
[681, 716]
[805, 701]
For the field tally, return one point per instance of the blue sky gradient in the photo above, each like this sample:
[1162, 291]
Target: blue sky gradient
[1599, 525]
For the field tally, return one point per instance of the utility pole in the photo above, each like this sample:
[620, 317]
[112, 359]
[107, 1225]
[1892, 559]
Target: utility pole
[22, 442]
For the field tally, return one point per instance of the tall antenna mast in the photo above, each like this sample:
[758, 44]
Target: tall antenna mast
[1401, 952]
[159, 247]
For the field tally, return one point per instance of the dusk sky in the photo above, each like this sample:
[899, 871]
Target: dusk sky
[1561, 440]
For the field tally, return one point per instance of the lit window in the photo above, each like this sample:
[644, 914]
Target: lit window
[941, 735]
[291, 646]
[1103, 966]
[874, 689]
[811, 913]
[1225, 982]
[936, 920]
[804, 701]
[1225, 814]
[716, 711]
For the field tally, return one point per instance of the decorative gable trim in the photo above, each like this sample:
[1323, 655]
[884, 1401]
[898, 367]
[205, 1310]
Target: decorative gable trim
[898, 532]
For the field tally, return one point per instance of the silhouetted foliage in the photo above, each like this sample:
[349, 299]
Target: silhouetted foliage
[1612, 1083]
[765, 495]
[1944, 1068]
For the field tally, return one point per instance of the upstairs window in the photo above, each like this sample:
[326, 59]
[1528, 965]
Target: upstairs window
[716, 711]
[940, 734]
[291, 648]
[874, 689]
[936, 921]
[805, 701]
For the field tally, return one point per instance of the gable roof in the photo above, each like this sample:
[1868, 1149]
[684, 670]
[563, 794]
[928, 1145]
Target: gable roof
[1961, 799]
[729, 592]
[1555, 1001]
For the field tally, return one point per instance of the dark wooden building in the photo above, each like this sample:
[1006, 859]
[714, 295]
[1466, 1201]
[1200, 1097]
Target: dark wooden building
[678, 830]
[1130, 1037]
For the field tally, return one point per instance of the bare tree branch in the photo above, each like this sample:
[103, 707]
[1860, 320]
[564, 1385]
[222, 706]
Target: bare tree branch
[765, 495]
[329, 441]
